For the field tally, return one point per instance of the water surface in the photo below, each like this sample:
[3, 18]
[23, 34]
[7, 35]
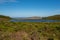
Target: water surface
[35, 20]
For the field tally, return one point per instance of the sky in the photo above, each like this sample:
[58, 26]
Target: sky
[29, 8]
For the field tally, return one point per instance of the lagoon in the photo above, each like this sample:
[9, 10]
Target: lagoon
[35, 20]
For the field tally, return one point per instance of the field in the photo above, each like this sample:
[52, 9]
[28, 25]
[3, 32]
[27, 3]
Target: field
[29, 30]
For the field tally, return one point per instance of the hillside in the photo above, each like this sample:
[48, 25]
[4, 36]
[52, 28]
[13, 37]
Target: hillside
[4, 18]
[28, 30]
[28, 18]
[34, 17]
[55, 17]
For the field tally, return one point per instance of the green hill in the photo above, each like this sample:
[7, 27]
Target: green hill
[4, 18]
[55, 17]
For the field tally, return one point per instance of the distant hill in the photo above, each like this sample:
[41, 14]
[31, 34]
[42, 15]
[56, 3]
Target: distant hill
[4, 18]
[34, 17]
[55, 17]
[28, 18]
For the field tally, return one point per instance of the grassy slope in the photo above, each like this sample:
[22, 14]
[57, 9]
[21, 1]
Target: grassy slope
[29, 30]
[4, 18]
[55, 17]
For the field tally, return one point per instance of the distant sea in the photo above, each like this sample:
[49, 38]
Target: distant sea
[35, 20]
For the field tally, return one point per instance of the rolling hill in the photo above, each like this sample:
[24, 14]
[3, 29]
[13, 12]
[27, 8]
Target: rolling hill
[4, 18]
[55, 17]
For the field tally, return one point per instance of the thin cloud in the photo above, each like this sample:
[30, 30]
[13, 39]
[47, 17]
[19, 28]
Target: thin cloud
[12, 0]
[4, 1]
[55, 12]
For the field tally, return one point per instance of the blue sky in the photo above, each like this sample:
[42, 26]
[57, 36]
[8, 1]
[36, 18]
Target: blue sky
[28, 8]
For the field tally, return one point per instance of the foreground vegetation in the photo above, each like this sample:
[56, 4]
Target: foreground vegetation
[29, 30]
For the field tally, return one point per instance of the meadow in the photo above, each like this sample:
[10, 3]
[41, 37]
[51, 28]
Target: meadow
[29, 30]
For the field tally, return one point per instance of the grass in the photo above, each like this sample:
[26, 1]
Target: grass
[29, 30]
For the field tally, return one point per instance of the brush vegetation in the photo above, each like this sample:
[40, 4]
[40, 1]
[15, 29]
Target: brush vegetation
[28, 30]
